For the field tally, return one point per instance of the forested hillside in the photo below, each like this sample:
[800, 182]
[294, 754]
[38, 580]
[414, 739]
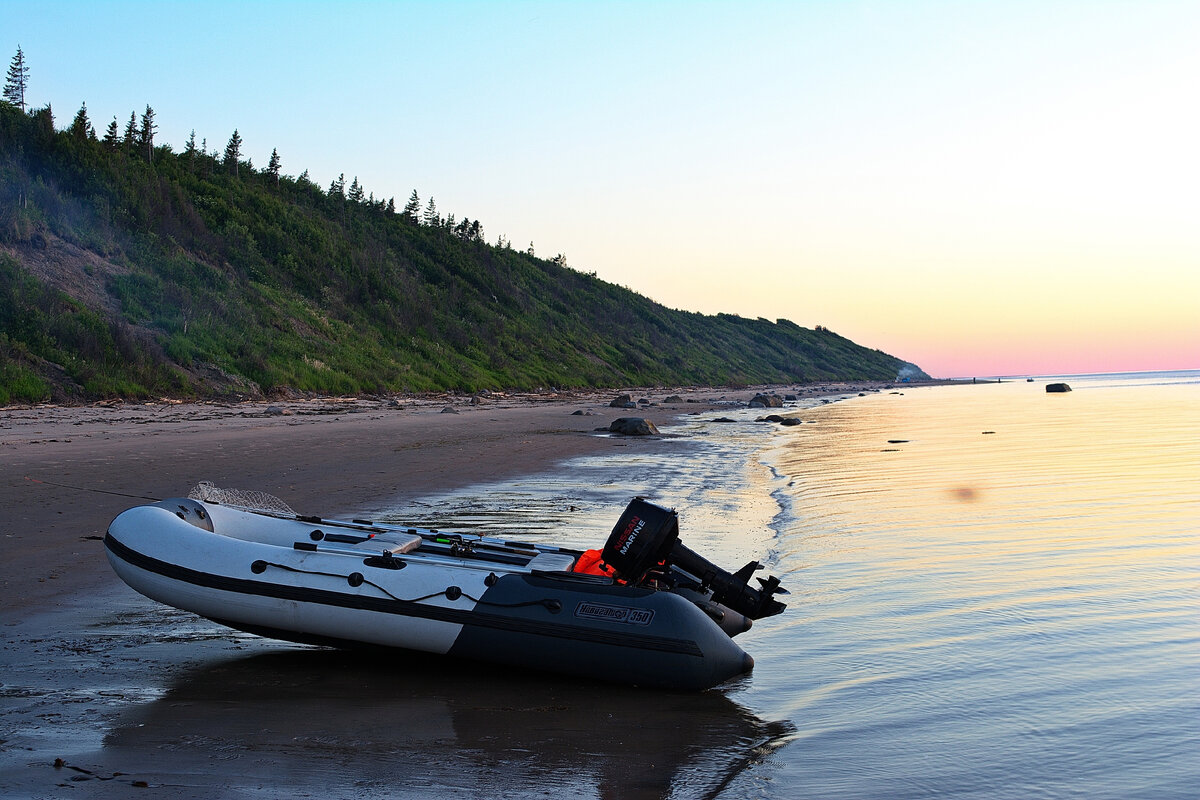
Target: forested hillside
[130, 270]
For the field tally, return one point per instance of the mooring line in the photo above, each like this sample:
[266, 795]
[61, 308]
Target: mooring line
[87, 489]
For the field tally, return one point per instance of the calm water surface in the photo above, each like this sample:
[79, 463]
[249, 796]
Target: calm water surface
[995, 590]
[995, 594]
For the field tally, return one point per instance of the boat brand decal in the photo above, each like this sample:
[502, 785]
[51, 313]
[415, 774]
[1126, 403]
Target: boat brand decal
[607, 613]
[630, 534]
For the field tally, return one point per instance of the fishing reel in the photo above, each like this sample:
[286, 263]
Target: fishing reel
[646, 539]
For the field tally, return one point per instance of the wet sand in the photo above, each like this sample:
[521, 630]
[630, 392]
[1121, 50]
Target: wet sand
[121, 692]
[329, 457]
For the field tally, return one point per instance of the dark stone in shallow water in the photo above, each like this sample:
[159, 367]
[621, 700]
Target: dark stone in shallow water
[1057, 387]
[766, 401]
[633, 426]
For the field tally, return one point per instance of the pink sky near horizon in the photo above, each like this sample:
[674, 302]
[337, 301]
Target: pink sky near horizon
[1054, 357]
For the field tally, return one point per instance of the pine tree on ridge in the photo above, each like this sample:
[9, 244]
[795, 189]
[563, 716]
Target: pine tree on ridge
[146, 133]
[17, 81]
[233, 151]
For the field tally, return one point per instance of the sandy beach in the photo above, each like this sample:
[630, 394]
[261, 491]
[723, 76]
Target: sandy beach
[78, 644]
[329, 456]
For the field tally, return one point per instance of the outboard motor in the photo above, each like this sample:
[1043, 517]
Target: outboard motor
[646, 538]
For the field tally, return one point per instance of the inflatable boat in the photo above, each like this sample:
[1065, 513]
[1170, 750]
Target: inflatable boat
[644, 610]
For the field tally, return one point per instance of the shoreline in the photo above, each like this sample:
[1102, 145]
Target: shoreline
[70, 469]
[76, 636]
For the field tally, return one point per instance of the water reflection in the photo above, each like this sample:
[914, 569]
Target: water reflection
[315, 718]
[994, 595]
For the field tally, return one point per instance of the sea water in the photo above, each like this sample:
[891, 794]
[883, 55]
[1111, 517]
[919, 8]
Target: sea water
[995, 591]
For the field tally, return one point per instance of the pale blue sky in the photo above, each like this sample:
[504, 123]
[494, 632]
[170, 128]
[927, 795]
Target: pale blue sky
[980, 187]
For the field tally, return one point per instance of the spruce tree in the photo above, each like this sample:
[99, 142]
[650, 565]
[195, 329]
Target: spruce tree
[273, 165]
[431, 215]
[18, 80]
[413, 209]
[146, 133]
[131, 130]
[356, 191]
[81, 127]
[233, 152]
[43, 123]
[110, 135]
[190, 151]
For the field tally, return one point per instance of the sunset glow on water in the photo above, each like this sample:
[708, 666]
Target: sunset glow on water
[997, 593]
[994, 590]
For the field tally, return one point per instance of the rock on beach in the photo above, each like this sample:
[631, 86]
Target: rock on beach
[766, 401]
[633, 426]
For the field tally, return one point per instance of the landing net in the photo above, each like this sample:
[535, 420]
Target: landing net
[205, 492]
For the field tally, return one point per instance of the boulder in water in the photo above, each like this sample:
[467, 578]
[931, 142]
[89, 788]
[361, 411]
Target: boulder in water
[633, 426]
[766, 401]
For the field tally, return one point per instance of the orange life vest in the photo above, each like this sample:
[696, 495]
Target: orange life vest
[590, 564]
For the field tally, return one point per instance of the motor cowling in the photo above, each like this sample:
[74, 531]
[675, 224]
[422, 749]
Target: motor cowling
[646, 539]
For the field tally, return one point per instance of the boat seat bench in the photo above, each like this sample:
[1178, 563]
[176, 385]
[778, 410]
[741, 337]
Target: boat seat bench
[552, 562]
[396, 544]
